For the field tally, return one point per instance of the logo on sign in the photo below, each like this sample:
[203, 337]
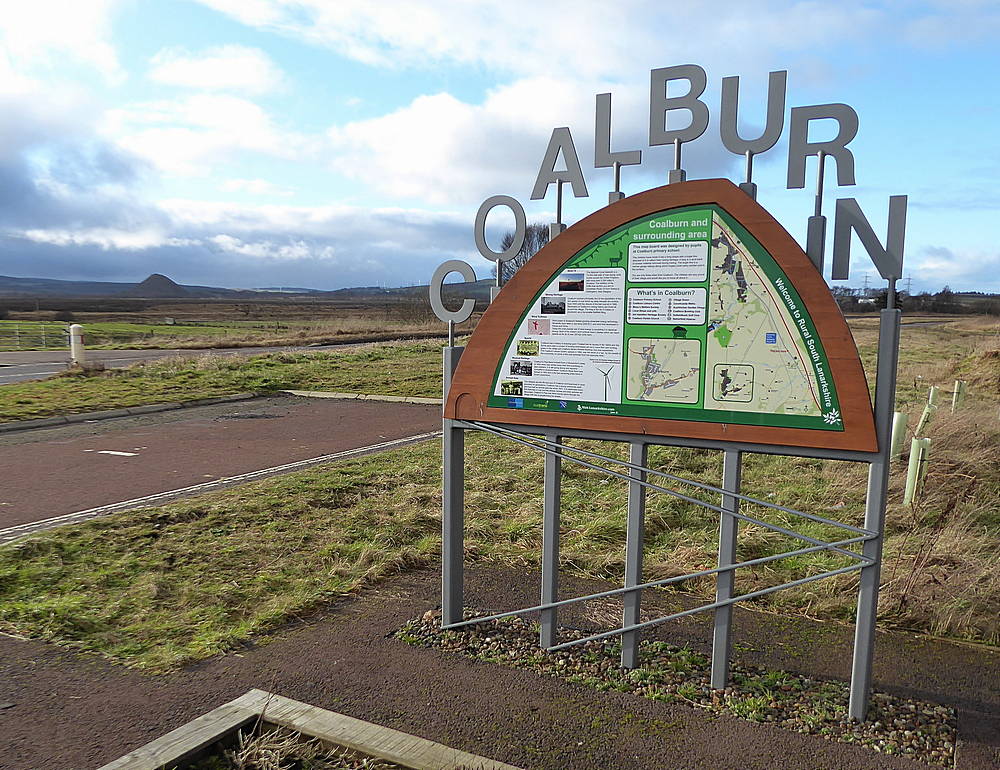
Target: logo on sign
[515, 403]
[770, 338]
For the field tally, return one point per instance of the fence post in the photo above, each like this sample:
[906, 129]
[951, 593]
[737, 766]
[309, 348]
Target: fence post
[925, 419]
[899, 420]
[958, 395]
[916, 471]
[76, 349]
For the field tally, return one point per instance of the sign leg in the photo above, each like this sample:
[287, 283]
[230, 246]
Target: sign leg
[878, 485]
[452, 504]
[722, 645]
[635, 529]
[550, 545]
[452, 523]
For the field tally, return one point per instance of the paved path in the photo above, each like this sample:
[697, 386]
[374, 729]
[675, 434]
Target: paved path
[66, 711]
[62, 470]
[19, 366]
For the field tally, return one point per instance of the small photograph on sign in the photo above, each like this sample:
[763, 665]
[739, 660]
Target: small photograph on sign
[553, 305]
[512, 388]
[520, 368]
[540, 326]
[528, 347]
[572, 282]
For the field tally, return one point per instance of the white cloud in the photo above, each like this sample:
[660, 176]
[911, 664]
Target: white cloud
[267, 249]
[441, 150]
[104, 237]
[255, 187]
[223, 68]
[41, 34]
[589, 39]
[191, 135]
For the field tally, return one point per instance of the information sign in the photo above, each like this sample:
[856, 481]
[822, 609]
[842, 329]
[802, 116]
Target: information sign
[685, 310]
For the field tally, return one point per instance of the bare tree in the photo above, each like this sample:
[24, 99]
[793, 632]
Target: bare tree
[536, 235]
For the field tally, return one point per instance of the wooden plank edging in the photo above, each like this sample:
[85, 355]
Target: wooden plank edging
[409, 751]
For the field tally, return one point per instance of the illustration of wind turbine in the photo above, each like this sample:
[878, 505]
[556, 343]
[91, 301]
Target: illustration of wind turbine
[607, 378]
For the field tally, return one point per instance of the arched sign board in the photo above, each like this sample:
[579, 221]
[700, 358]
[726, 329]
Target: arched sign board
[684, 311]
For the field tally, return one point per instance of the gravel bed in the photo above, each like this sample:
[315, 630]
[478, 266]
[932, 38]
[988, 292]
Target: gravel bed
[899, 726]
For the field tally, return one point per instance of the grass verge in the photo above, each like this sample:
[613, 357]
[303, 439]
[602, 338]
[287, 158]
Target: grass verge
[159, 587]
[387, 369]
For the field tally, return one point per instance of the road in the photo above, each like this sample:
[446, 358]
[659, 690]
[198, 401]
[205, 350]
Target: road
[64, 470]
[20, 366]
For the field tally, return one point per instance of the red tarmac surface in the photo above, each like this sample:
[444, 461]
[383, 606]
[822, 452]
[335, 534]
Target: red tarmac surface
[51, 472]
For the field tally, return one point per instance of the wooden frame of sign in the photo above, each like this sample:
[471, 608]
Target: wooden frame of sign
[473, 381]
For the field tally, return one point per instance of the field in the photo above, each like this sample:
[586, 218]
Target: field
[147, 324]
[158, 587]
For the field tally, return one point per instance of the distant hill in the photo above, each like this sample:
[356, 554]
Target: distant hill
[159, 286]
[156, 287]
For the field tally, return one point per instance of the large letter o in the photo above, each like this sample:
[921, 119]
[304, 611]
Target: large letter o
[437, 284]
[520, 225]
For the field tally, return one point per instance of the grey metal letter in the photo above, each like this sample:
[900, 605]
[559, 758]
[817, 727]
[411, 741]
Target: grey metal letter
[878, 485]
[729, 115]
[520, 227]
[560, 141]
[722, 645]
[437, 287]
[550, 544]
[660, 104]
[603, 157]
[799, 145]
[888, 260]
[635, 530]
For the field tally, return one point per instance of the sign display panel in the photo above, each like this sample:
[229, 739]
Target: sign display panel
[685, 311]
[681, 314]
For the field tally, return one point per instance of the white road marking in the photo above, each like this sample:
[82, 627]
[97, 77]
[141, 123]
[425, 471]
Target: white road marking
[13, 533]
[116, 454]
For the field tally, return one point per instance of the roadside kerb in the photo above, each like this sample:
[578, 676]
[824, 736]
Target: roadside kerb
[107, 414]
[362, 396]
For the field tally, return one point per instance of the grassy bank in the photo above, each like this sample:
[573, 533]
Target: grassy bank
[158, 587]
[388, 369]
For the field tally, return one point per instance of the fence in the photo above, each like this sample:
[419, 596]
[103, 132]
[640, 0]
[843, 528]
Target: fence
[33, 335]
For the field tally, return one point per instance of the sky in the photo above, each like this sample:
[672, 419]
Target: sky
[332, 143]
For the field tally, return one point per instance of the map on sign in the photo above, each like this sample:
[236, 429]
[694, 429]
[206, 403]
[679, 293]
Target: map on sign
[754, 348]
[680, 315]
[663, 370]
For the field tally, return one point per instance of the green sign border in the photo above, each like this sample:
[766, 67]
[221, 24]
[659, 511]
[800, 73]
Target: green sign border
[611, 250]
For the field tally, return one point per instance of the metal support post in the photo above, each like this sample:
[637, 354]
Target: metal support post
[550, 545]
[452, 504]
[634, 532]
[722, 645]
[748, 186]
[677, 174]
[816, 227]
[878, 486]
[616, 195]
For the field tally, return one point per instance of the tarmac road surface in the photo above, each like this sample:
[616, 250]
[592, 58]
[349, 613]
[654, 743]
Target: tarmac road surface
[19, 366]
[57, 471]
